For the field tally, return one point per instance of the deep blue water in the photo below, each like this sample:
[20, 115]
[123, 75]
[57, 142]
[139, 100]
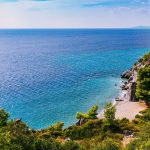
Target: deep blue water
[48, 75]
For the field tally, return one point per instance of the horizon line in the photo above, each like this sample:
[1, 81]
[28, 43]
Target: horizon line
[75, 28]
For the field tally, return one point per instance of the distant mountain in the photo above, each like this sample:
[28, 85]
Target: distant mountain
[142, 27]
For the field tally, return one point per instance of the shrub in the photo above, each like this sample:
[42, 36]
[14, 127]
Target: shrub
[70, 145]
[108, 144]
[48, 144]
[109, 112]
[3, 117]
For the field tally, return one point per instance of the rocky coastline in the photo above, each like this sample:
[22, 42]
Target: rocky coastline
[129, 85]
[127, 106]
[130, 77]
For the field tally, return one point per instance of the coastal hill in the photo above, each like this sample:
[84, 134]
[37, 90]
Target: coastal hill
[114, 131]
[141, 27]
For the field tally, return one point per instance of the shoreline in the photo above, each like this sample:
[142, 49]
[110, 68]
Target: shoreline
[125, 108]
[126, 104]
[128, 109]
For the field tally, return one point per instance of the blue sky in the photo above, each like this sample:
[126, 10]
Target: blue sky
[74, 13]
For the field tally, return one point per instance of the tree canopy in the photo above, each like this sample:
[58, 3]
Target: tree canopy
[143, 84]
[109, 112]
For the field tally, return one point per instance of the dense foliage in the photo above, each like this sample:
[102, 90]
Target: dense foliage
[14, 134]
[109, 112]
[145, 58]
[94, 134]
[143, 84]
[91, 114]
[143, 81]
[142, 140]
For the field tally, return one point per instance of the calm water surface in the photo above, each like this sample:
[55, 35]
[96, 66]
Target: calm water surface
[48, 75]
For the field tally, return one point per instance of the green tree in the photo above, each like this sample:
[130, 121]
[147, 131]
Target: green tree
[143, 84]
[81, 117]
[3, 117]
[109, 112]
[146, 57]
[5, 141]
[92, 113]
[57, 127]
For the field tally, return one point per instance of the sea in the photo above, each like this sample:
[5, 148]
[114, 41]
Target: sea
[47, 75]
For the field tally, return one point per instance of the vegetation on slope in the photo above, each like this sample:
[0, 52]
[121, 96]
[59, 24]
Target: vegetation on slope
[92, 134]
[143, 81]
[142, 140]
[143, 84]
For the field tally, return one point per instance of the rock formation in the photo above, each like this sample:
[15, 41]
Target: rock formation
[132, 90]
[130, 85]
[126, 74]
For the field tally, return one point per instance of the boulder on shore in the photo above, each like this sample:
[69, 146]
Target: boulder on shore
[126, 74]
[124, 87]
[130, 78]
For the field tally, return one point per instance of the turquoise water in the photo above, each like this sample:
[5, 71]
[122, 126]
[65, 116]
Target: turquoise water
[48, 75]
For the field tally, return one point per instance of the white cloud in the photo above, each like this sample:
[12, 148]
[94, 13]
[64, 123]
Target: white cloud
[56, 14]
